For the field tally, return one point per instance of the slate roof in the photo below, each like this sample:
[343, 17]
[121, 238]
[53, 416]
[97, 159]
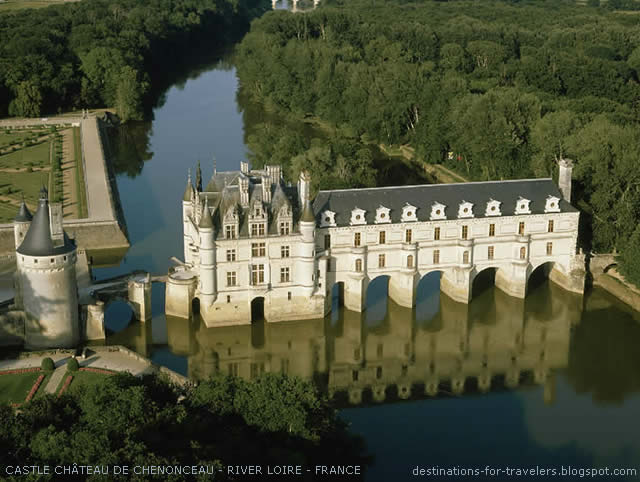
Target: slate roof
[24, 215]
[342, 202]
[37, 241]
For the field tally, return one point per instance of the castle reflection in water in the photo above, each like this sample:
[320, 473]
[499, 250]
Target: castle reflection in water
[439, 348]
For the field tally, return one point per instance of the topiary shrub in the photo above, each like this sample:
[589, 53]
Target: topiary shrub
[72, 365]
[47, 364]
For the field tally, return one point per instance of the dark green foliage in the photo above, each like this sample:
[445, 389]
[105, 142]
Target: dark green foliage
[224, 421]
[72, 365]
[629, 258]
[47, 364]
[493, 90]
[104, 52]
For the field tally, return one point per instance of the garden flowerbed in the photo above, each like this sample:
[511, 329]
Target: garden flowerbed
[97, 370]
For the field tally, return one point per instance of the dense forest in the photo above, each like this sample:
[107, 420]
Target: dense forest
[124, 420]
[492, 90]
[101, 53]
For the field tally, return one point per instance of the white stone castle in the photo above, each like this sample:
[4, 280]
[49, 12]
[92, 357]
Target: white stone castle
[255, 247]
[46, 286]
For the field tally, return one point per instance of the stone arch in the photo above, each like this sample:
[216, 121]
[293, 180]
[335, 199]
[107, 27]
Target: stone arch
[195, 305]
[538, 274]
[377, 300]
[118, 314]
[428, 296]
[483, 279]
[257, 309]
[609, 266]
[336, 298]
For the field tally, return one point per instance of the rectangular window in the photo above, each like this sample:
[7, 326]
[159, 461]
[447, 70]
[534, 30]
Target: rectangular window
[289, 295]
[523, 252]
[465, 257]
[327, 241]
[284, 366]
[233, 369]
[284, 251]
[492, 229]
[521, 228]
[328, 264]
[257, 274]
[407, 236]
[550, 226]
[230, 232]
[379, 372]
[436, 234]
[231, 254]
[284, 228]
[231, 278]
[549, 249]
[358, 265]
[284, 275]
[490, 251]
[228, 299]
[436, 256]
[382, 237]
[260, 229]
[258, 250]
[465, 232]
[381, 261]
[380, 350]
[354, 375]
[356, 239]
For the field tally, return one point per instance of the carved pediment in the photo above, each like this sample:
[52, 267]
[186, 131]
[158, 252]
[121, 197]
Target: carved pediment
[409, 213]
[357, 216]
[522, 206]
[437, 211]
[465, 210]
[382, 215]
[328, 219]
[493, 208]
[552, 204]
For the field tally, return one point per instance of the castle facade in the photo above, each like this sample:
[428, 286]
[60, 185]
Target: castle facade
[255, 247]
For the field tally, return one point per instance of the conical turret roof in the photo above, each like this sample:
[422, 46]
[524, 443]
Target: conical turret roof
[38, 241]
[188, 192]
[307, 213]
[205, 220]
[24, 215]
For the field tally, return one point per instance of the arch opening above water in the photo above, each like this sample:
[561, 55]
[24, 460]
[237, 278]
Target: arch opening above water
[257, 309]
[118, 314]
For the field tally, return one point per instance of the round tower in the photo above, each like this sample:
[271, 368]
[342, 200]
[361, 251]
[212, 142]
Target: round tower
[21, 225]
[306, 264]
[46, 262]
[187, 211]
[207, 285]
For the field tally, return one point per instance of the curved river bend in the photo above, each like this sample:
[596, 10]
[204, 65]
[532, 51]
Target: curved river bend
[549, 382]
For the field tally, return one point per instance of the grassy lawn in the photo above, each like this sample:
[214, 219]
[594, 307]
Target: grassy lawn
[10, 5]
[32, 156]
[9, 137]
[80, 182]
[14, 388]
[7, 212]
[81, 379]
[27, 183]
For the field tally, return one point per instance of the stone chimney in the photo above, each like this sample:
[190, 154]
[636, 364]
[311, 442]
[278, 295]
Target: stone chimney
[57, 235]
[266, 189]
[244, 168]
[243, 182]
[565, 167]
[304, 188]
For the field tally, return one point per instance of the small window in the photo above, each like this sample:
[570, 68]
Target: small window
[465, 232]
[228, 299]
[465, 257]
[436, 256]
[231, 254]
[289, 295]
[382, 237]
[356, 239]
[436, 234]
[231, 278]
[64, 257]
[53, 260]
[408, 234]
[550, 226]
[380, 350]
[35, 261]
[258, 250]
[327, 241]
[381, 260]
[492, 229]
[521, 228]
[328, 264]
[523, 252]
[358, 265]
[284, 228]
[549, 249]
[284, 251]
[354, 375]
[379, 373]
[284, 275]
[490, 252]
[410, 261]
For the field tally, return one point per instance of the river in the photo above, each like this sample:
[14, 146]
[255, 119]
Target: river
[551, 382]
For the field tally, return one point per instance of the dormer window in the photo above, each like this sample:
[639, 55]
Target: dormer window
[493, 208]
[328, 219]
[285, 220]
[437, 211]
[357, 216]
[409, 213]
[522, 206]
[230, 222]
[382, 215]
[552, 205]
[465, 210]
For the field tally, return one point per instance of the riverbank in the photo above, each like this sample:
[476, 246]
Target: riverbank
[102, 234]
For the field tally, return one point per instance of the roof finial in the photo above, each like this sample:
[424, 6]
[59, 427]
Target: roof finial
[189, 178]
[215, 166]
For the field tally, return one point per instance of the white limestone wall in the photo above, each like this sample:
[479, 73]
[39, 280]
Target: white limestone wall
[50, 299]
